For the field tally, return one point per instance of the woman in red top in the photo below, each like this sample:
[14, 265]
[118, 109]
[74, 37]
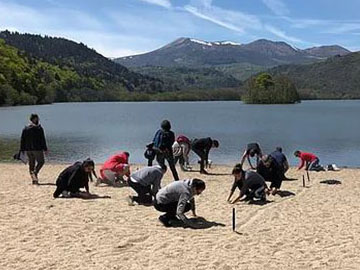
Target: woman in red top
[114, 169]
[310, 161]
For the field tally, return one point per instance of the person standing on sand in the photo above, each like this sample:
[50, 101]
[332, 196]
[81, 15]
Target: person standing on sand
[310, 161]
[181, 150]
[146, 182]
[202, 147]
[163, 140]
[114, 169]
[176, 199]
[73, 178]
[249, 183]
[252, 149]
[33, 142]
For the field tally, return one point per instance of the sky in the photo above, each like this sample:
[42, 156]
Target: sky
[118, 28]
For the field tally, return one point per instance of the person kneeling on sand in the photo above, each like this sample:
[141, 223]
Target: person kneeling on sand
[114, 169]
[310, 161]
[281, 159]
[249, 183]
[73, 178]
[272, 172]
[146, 182]
[176, 199]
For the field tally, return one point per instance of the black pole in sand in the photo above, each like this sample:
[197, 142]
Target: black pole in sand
[303, 180]
[233, 219]
[308, 175]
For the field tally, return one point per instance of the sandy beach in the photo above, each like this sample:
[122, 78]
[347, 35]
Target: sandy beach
[316, 227]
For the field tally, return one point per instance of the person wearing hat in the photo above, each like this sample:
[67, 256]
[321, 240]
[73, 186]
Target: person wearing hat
[33, 143]
[163, 140]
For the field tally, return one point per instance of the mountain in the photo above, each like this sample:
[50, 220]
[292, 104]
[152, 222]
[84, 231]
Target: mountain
[337, 77]
[195, 53]
[86, 62]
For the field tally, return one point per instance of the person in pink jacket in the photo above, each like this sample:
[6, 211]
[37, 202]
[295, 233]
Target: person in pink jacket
[114, 169]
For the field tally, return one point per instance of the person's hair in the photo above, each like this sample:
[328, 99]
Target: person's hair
[198, 184]
[297, 153]
[33, 116]
[166, 125]
[88, 163]
[216, 143]
[237, 169]
[279, 149]
[127, 154]
[163, 167]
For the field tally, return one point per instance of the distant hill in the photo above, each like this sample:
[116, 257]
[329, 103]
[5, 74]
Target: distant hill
[84, 61]
[191, 78]
[337, 77]
[195, 53]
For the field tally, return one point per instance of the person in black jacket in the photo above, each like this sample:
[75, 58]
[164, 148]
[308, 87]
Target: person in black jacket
[73, 178]
[163, 141]
[271, 171]
[202, 147]
[33, 142]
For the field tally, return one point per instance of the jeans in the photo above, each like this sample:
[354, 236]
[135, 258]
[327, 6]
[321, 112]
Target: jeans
[36, 161]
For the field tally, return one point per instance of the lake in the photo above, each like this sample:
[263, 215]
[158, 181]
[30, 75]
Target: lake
[76, 131]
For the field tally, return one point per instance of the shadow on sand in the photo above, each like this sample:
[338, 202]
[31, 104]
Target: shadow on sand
[200, 222]
[290, 179]
[46, 184]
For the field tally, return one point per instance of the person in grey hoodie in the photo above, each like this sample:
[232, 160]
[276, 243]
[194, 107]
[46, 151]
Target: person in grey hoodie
[176, 199]
[146, 182]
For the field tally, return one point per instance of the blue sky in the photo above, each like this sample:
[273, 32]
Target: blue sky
[125, 27]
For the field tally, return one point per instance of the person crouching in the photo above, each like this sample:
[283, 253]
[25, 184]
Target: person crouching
[176, 199]
[73, 178]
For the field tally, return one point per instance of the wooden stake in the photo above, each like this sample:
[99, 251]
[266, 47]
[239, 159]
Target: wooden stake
[303, 180]
[233, 220]
[308, 176]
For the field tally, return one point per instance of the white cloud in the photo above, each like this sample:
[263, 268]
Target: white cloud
[281, 34]
[277, 6]
[162, 3]
[232, 20]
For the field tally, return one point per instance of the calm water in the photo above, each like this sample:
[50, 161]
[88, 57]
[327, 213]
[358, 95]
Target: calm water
[77, 130]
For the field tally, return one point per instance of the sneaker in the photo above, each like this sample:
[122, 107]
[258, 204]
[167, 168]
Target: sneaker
[165, 221]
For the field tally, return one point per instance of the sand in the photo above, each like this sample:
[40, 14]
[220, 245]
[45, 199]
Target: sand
[316, 228]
